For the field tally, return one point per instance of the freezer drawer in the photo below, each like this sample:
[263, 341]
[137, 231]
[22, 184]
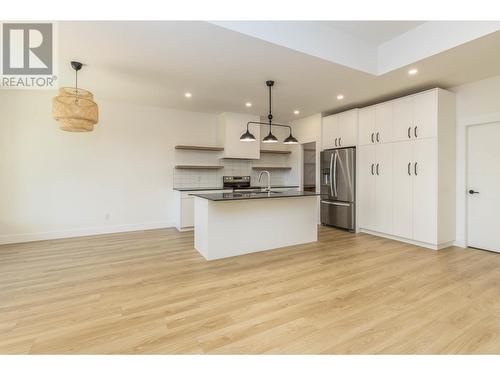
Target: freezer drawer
[338, 214]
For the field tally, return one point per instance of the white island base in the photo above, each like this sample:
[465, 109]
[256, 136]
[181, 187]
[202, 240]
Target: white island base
[234, 227]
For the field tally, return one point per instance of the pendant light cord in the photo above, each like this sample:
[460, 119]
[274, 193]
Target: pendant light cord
[270, 117]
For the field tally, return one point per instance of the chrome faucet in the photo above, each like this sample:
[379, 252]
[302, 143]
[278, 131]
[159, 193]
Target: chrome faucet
[268, 188]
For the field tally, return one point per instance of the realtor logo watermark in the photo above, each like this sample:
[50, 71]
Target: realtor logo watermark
[28, 56]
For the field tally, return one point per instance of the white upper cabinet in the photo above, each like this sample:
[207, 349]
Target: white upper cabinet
[375, 124]
[348, 128]
[403, 119]
[230, 128]
[416, 116]
[340, 130]
[383, 123]
[425, 115]
[329, 132]
[366, 126]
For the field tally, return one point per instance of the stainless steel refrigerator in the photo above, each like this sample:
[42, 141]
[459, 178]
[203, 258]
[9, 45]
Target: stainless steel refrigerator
[338, 187]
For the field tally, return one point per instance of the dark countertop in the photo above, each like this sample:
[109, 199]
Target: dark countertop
[243, 196]
[251, 187]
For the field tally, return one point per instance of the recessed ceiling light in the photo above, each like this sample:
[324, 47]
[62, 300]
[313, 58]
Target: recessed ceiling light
[248, 104]
[340, 97]
[296, 112]
[188, 95]
[413, 71]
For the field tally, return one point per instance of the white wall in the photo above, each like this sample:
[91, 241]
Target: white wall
[60, 184]
[477, 103]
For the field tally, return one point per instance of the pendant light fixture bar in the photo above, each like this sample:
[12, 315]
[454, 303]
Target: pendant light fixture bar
[270, 138]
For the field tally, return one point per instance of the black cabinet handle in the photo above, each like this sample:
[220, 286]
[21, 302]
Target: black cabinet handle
[340, 143]
[471, 192]
[409, 129]
[335, 142]
[372, 169]
[377, 170]
[415, 169]
[378, 139]
[372, 138]
[409, 171]
[415, 131]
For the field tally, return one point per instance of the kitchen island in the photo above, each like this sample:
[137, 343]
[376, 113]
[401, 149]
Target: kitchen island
[229, 224]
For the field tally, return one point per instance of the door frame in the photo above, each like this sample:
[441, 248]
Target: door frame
[302, 141]
[462, 162]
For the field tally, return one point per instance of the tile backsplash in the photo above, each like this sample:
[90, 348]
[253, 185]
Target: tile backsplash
[198, 178]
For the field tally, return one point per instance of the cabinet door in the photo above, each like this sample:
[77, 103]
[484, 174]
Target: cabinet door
[366, 126]
[403, 126]
[383, 123]
[383, 188]
[329, 131]
[425, 185]
[425, 115]
[348, 128]
[402, 189]
[366, 187]
[187, 212]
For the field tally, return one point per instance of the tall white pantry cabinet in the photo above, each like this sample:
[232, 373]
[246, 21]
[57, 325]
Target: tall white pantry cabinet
[406, 169]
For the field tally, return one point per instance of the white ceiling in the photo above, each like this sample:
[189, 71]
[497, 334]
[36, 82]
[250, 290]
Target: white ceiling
[373, 32]
[155, 63]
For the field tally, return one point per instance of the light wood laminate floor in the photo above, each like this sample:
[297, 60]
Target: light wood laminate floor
[151, 292]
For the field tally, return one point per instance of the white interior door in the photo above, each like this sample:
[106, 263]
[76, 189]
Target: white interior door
[366, 187]
[483, 177]
[383, 188]
[425, 185]
[403, 189]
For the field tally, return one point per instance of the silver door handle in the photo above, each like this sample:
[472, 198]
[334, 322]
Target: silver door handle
[335, 173]
[471, 192]
[331, 180]
[337, 203]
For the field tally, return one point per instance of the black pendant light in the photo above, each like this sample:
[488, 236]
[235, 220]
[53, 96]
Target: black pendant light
[290, 140]
[270, 138]
[247, 136]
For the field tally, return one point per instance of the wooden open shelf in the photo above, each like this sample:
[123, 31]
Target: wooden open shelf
[199, 166]
[270, 167]
[199, 148]
[277, 152]
[237, 159]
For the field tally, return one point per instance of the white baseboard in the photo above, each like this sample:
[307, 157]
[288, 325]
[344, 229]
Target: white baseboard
[460, 244]
[80, 232]
[406, 240]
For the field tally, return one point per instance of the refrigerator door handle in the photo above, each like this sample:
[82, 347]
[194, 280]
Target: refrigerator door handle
[335, 173]
[331, 168]
[337, 203]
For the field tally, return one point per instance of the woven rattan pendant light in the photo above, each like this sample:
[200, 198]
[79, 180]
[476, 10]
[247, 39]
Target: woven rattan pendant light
[74, 108]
